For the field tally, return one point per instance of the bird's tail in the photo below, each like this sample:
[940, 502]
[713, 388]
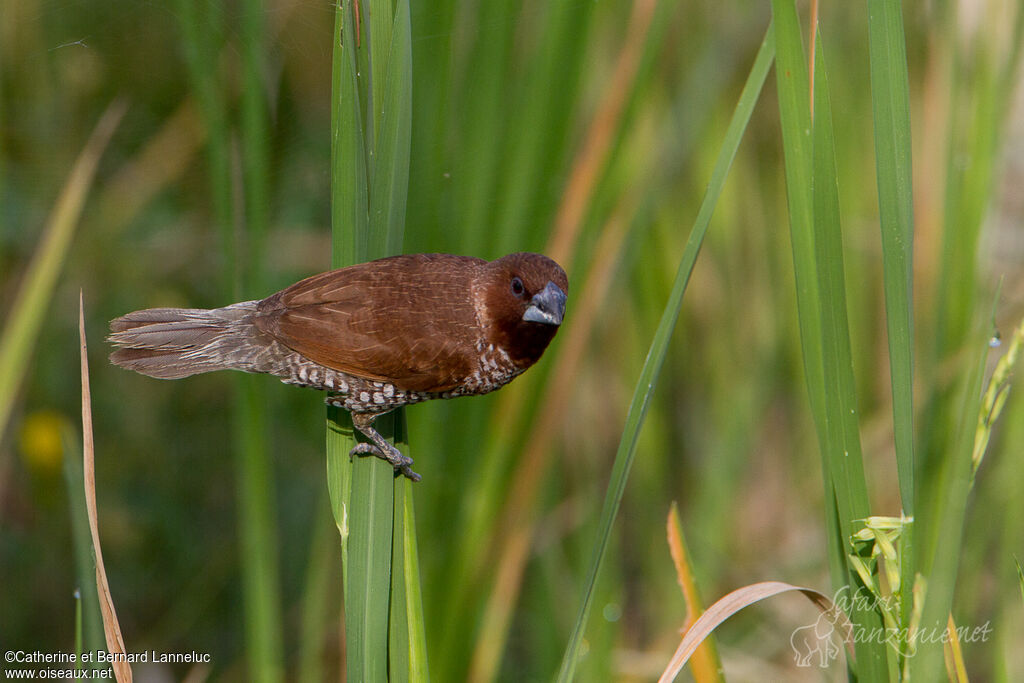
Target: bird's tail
[169, 343]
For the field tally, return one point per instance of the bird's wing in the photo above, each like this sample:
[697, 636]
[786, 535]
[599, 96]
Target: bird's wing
[405, 320]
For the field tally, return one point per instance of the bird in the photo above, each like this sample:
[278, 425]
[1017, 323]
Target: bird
[375, 336]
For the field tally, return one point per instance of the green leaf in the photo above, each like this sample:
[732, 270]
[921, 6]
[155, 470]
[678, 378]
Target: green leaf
[408, 632]
[318, 597]
[368, 583]
[942, 564]
[842, 428]
[551, 81]
[203, 37]
[659, 345]
[89, 621]
[824, 329]
[370, 183]
[349, 185]
[340, 441]
[30, 305]
[390, 184]
[890, 98]
[377, 15]
[794, 93]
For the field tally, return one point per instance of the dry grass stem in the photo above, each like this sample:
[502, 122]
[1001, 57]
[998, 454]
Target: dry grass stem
[111, 627]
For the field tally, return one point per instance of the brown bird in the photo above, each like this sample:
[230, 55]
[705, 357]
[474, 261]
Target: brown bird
[376, 336]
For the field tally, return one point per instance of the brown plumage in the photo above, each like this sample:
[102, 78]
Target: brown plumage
[377, 335]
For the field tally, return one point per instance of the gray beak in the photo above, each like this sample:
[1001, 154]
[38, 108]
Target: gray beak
[547, 306]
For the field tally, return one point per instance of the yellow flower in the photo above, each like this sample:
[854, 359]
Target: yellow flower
[42, 448]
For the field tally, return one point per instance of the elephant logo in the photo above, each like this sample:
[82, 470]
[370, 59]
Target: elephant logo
[817, 638]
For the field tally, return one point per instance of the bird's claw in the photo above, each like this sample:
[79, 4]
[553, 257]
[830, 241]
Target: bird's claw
[401, 463]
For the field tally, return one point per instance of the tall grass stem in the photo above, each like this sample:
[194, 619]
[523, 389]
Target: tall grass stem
[659, 346]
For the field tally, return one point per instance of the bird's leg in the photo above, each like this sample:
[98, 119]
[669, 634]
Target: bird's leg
[380, 447]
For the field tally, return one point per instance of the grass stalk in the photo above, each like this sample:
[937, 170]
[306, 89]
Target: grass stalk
[940, 566]
[843, 430]
[255, 136]
[32, 301]
[518, 519]
[371, 129]
[258, 530]
[89, 624]
[259, 525]
[982, 79]
[791, 79]
[111, 625]
[553, 78]
[241, 238]
[201, 44]
[368, 584]
[824, 329]
[484, 130]
[659, 346]
[890, 98]
[408, 652]
[317, 596]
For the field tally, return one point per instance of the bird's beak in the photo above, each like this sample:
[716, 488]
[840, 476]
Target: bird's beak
[547, 306]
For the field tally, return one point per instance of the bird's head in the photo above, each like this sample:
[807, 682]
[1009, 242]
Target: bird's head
[523, 297]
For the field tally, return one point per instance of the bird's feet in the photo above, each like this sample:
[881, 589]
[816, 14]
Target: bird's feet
[379, 446]
[401, 463]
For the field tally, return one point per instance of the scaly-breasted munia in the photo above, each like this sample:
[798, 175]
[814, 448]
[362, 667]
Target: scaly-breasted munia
[377, 335]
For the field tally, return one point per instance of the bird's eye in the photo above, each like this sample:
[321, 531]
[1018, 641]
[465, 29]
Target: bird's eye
[517, 286]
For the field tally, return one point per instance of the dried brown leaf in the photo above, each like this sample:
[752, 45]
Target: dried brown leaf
[111, 628]
[732, 603]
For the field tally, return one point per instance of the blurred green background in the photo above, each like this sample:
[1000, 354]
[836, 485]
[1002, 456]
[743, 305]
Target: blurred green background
[584, 130]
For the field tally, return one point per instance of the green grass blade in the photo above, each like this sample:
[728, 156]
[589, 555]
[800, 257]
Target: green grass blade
[255, 141]
[792, 82]
[258, 520]
[398, 654]
[837, 358]
[408, 652]
[350, 227]
[391, 171]
[78, 629]
[368, 584]
[891, 103]
[1020, 577]
[797, 140]
[365, 484]
[1012, 67]
[941, 566]
[554, 77]
[33, 298]
[349, 186]
[258, 531]
[378, 39]
[340, 440]
[415, 619]
[318, 602]
[201, 43]
[659, 345]
[483, 130]
[350, 230]
[981, 91]
[843, 432]
[202, 32]
[88, 601]
[824, 329]
[370, 160]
